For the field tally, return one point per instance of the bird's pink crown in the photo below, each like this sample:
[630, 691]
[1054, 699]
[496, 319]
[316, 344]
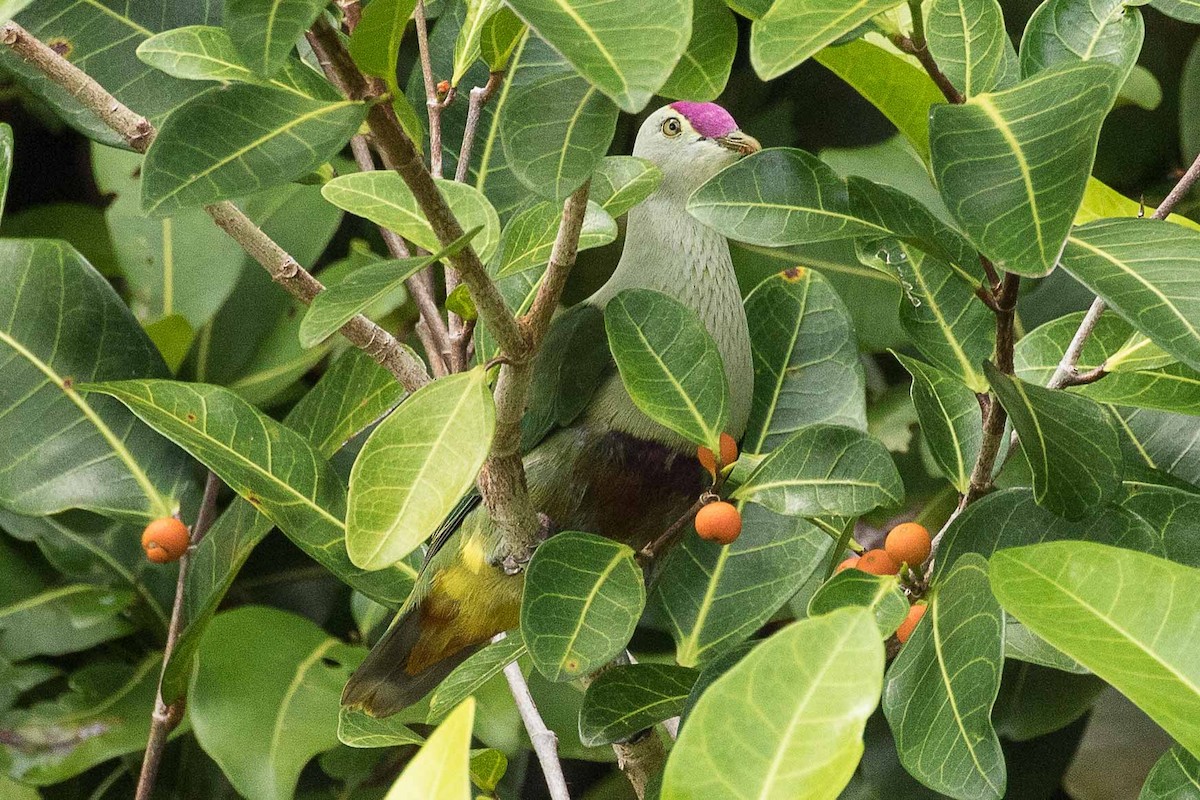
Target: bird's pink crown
[708, 119]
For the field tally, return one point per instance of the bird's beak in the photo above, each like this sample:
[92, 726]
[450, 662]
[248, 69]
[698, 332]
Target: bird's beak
[740, 143]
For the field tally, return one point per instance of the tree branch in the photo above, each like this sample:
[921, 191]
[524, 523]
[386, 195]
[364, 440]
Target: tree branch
[545, 743]
[284, 269]
[433, 104]
[166, 717]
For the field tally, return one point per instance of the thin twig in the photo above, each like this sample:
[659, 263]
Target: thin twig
[907, 45]
[545, 742]
[166, 716]
[433, 103]
[651, 551]
[284, 269]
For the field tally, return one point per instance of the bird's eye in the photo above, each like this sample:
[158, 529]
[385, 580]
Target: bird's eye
[671, 127]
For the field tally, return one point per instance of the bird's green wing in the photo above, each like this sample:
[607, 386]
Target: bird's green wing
[450, 525]
[573, 361]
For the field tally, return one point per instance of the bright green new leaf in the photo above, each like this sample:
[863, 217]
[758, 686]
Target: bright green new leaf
[942, 687]
[806, 364]
[779, 196]
[441, 770]
[669, 364]
[264, 31]
[1128, 617]
[879, 594]
[968, 41]
[825, 470]
[621, 182]
[416, 465]
[556, 129]
[1145, 270]
[383, 197]
[1175, 776]
[948, 411]
[714, 597]
[630, 698]
[264, 699]
[466, 47]
[234, 141]
[487, 768]
[375, 42]
[794, 30]
[358, 291]
[1070, 442]
[786, 722]
[616, 45]
[1065, 31]
[703, 71]
[276, 469]
[1012, 166]
[583, 597]
[473, 673]
[501, 33]
[529, 237]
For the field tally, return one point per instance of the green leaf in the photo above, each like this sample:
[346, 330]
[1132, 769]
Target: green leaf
[669, 364]
[793, 30]
[1014, 187]
[276, 469]
[1011, 517]
[1035, 700]
[488, 768]
[383, 198]
[1127, 616]
[375, 43]
[6, 161]
[529, 237]
[357, 729]
[1144, 269]
[1173, 515]
[712, 598]
[948, 411]
[556, 130]
[968, 41]
[361, 289]
[942, 687]
[1175, 387]
[352, 394]
[910, 221]
[625, 700]
[879, 594]
[573, 362]
[1185, 10]
[786, 722]
[776, 197]
[473, 673]
[583, 597]
[416, 465]
[806, 364]
[825, 470]
[1023, 645]
[703, 71]
[621, 182]
[441, 770]
[234, 141]
[101, 716]
[262, 706]
[63, 324]
[1175, 776]
[264, 31]
[467, 46]
[1161, 440]
[501, 33]
[620, 49]
[205, 53]
[1070, 442]
[67, 619]
[1065, 31]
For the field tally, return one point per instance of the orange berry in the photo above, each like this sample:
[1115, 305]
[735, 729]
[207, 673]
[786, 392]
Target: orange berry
[908, 543]
[878, 562]
[165, 540]
[729, 454]
[910, 622]
[719, 522]
[852, 561]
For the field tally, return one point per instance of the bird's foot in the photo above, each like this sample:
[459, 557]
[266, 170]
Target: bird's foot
[515, 563]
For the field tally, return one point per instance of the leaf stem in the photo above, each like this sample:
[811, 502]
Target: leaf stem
[285, 270]
[166, 716]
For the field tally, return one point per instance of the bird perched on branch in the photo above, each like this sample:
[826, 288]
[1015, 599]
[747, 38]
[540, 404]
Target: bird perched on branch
[604, 467]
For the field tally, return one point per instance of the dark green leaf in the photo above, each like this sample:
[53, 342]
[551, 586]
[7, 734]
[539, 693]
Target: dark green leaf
[375, 42]
[572, 363]
[825, 470]
[942, 686]
[628, 699]
[1129, 617]
[879, 594]
[1012, 166]
[1185, 10]
[264, 31]
[68, 619]
[806, 364]
[968, 41]
[948, 411]
[1176, 776]
[793, 30]
[583, 596]
[1035, 700]
[1070, 442]
[1173, 515]
[703, 71]
[1162, 441]
[1064, 31]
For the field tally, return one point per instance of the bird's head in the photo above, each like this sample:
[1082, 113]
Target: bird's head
[690, 143]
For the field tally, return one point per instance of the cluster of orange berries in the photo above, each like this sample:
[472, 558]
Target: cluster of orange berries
[908, 544]
[165, 540]
[718, 521]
